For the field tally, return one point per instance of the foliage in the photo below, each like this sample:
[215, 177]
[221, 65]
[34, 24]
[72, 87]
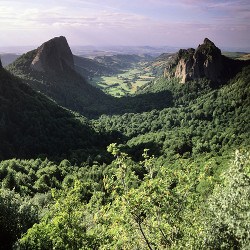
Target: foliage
[65, 226]
[31, 125]
[129, 212]
[30, 177]
[227, 224]
[17, 215]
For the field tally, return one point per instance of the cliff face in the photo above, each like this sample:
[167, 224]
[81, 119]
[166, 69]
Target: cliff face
[185, 61]
[0, 64]
[205, 61]
[53, 56]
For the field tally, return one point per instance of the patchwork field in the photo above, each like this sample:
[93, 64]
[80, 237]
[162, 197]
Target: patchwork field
[124, 83]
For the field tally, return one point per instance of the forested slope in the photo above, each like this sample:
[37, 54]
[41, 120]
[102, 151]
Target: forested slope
[32, 125]
[202, 120]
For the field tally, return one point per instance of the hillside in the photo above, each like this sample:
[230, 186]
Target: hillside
[70, 90]
[205, 65]
[32, 125]
[201, 120]
[176, 174]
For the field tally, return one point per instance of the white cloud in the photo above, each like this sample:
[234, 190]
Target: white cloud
[123, 21]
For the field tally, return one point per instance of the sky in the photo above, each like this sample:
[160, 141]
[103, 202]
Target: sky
[126, 22]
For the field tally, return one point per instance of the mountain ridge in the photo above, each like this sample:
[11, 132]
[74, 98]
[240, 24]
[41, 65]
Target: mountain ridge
[70, 89]
[204, 61]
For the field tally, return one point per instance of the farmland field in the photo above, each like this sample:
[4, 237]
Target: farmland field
[124, 83]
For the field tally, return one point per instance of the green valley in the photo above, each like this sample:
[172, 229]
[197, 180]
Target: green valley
[124, 83]
[125, 151]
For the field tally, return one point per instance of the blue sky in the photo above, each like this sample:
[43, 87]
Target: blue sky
[126, 22]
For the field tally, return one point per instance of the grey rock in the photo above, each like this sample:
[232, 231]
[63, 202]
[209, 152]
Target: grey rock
[53, 56]
[205, 61]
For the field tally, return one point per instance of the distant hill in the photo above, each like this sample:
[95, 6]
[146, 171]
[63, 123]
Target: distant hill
[96, 51]
[237, 55]
[122, 62]
[158, 65]
[88, 67]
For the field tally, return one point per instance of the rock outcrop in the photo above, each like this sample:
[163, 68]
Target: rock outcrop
[205, 61]
[185, 63]
[1, 64]
[53, 56]
[208, 61]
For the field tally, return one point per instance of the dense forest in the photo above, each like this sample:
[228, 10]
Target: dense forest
[167, 168]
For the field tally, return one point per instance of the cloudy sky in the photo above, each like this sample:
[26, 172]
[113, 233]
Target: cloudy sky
[126, 22]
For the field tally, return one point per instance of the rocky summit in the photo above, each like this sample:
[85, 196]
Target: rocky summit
[53, 56]
[205, 61]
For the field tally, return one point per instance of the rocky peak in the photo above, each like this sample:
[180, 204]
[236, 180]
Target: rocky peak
[208, 42]
[208, 48]
[53, 56]
[205, 61]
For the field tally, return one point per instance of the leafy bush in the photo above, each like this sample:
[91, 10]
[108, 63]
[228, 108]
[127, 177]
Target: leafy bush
[228, 209]
[17, 215]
